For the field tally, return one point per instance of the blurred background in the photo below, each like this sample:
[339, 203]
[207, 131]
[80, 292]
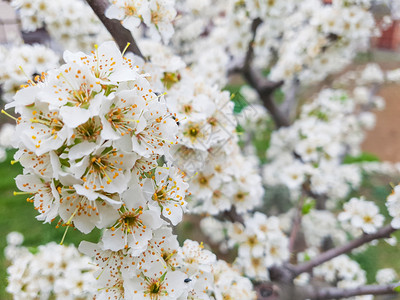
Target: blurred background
[381, 144]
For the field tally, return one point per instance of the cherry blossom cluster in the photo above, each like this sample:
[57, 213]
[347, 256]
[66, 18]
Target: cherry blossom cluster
[202, 36]
[263, 241]
[208, 146]
[129, 143]
[166, 271]
[303, 41]
[92, 135]
[194, 17]
[207, 151]
[35, 59]
[358, 216]
[261, 244]
[386, 275]
[362, 215]
[260, 241]
[359, 85]
[51, 271]
[157, 15]
[393, 206]
[363, 78]
[353, 26]
[317, 225]
[163, 271]
[71, 23]
[311, 150]
[318, 39]
[340, 118]
[83, 130]
[344, 272]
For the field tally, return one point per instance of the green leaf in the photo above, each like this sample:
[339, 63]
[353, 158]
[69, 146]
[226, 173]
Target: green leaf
[308, 205]
[163, 277]
[397, 289]
[306, 257]
[236, 97]
[363, 157]
[33, 250]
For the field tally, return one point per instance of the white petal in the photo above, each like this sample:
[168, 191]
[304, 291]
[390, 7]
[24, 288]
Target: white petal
[74, 116]
[113, 240]
[79, 168]
[123, 74]
[108, 216]
[174, 214]
[88, 248]
[83, 223]
[395, 223]
[81, 150]
[131, 23]
[151, 219]
[114, 12]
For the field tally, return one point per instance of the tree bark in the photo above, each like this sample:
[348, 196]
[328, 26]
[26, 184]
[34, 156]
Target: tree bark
[264, 87]
[120, 34]
[384, 232]
[339, 293]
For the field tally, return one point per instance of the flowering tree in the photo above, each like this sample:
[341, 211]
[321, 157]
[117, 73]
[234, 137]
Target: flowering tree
[132, 135]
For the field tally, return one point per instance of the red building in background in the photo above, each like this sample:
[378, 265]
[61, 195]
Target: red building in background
[390, 38]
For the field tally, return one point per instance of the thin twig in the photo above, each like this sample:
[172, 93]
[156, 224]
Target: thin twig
[339, 293]
[295, 227]
[384, 232]
[121, 35]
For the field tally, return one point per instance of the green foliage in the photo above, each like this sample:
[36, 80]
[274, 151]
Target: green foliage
[376, 188]
[307, 257]
[363, 157]
[262, 140]
[237, 98]
[279, 96]
[308, 205]
[16, 214]
[319, 114]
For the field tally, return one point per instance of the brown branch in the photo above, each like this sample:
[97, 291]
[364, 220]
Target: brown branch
[295, 227]
[265, 91]
[384, 232]
[250, 50]
[338, 293]
[289, 291]
[121, 35]
[289, 106]
[264, 87]
[39, 36]
[232, 216]
[293, 234]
